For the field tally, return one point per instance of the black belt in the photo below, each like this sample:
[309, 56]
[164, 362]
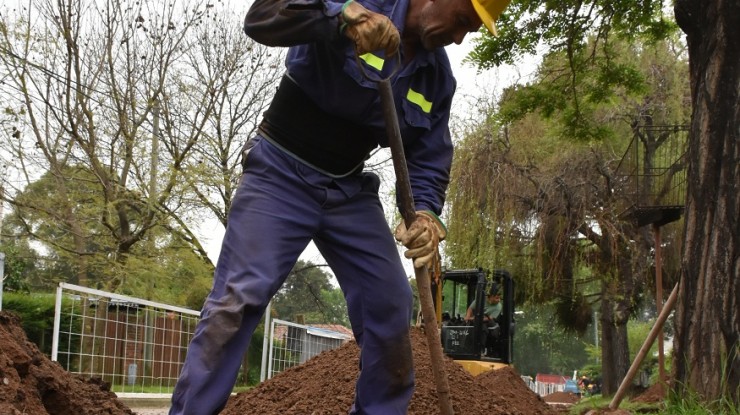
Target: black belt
[296, 123]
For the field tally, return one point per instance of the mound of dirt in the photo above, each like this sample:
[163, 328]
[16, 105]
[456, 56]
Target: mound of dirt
[325, 386]
[30, 383]
[562, 397]
[654, 394]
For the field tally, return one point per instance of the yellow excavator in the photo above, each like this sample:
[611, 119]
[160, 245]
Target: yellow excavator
[477, 345]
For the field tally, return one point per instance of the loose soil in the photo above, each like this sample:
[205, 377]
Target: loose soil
[562, 397]
[654, 394]
[32, 384]
[325, 386]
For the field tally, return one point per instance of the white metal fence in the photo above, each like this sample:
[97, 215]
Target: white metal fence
[139, 346]
[542, 388]
[291, 344]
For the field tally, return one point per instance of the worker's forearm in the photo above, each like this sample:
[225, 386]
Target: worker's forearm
[292, 22]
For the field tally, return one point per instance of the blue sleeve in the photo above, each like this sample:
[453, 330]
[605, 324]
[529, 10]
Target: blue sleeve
[429, 161]
[429, 155]
[293, 22]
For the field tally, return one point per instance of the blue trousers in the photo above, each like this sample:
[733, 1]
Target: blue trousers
[279, 207]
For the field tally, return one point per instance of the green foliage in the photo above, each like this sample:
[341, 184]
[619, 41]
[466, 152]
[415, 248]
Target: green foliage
[485, 228]
[689, 402]
[589, 59]
[599, 402]
[19, 264]
[637, 332]
[529, 25]
[37, 316]
[104, 200]
[539, 348]
[685, 404]
[335, 307]
[575, 312]
[254, 357]
[171, 274]
[574, 89]
[63, 209]
[533, 185]
[309, 293]
[163, 267]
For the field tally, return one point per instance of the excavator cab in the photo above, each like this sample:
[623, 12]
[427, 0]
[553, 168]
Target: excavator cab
[475, 340]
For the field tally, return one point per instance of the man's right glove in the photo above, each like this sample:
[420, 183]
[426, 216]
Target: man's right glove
[422, 238]
[368, 30]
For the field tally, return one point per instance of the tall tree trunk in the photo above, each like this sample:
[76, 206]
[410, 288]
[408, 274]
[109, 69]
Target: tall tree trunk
[614, 346]
[616, 309]
[708, 311]
[617, 298]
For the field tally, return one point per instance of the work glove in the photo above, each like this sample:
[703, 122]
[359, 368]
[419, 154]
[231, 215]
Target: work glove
[422, 238]
[368, 30]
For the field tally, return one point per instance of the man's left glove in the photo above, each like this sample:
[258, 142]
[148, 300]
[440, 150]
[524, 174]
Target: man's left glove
[422, 238]
[368, 30]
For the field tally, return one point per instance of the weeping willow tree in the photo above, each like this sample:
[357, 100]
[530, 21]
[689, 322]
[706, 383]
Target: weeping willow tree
[481, 220]
[539, 193]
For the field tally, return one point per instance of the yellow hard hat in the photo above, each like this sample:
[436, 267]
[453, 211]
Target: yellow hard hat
[489, 11]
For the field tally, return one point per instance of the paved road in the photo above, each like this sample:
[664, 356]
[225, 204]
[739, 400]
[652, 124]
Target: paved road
[150, 411]
[147, 406]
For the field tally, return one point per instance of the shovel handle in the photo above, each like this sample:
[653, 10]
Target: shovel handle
[423, 282]
[403, 184]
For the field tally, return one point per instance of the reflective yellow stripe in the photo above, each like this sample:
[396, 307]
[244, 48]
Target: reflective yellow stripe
[372, 60]
[419, 100]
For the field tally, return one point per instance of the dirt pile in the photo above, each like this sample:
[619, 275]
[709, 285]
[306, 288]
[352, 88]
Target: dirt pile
[654, 394]
[325, 386]
[30, 383]
[562, 397]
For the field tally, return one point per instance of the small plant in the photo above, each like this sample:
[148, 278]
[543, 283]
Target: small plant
[689, 403]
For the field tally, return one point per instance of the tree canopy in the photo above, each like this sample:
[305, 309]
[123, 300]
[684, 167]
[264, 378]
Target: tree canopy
[124, 123]
[308, 293]
[589, 39]
[538, 188]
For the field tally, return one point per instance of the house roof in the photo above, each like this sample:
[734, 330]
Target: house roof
[549, 378]
[281, 331]
[336, 328]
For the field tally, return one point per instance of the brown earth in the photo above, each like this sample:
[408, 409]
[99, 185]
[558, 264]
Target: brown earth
[654, 394]
[325, 386]
[30, 383]
[562, 397]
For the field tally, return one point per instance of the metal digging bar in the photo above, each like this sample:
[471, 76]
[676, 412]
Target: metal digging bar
[657, 329]
[406, 198]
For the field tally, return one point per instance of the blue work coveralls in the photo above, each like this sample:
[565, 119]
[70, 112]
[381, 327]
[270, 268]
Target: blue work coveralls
[309, 185]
